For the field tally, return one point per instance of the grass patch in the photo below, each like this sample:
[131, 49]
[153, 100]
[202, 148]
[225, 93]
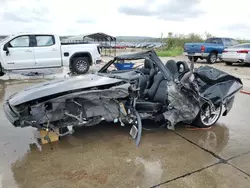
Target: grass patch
[170, 52]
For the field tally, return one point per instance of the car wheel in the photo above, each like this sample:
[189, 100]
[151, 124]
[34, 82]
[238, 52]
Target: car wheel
[229, 63]
[80, 65]
[206, 119]
[212, 58]
[191, 58]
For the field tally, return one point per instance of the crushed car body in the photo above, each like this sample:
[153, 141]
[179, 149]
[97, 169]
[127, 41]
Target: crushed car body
[169, 93]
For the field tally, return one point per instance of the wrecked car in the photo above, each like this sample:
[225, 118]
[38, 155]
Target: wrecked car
[173, 92]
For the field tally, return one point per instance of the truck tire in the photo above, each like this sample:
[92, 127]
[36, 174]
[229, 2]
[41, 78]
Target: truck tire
[212, 58]
[191, 58]
[80, 65]
[228, 63]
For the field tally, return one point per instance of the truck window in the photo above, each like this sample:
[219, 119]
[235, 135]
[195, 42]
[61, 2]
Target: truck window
[45, 40]
[22, 41]
[214, 41]
[228, 42]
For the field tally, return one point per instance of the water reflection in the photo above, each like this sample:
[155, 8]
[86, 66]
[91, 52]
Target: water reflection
[214, 139]
[152, 173]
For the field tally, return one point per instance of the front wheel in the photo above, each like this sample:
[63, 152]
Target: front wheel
[80, 65]
[205, 118]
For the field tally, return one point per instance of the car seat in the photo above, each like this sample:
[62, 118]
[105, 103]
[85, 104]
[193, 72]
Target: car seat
[155, 96]
[178, 70]
[172, 67]
[183, 68]
[149, 70]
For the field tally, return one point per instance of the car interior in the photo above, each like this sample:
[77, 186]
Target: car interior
[153, 85]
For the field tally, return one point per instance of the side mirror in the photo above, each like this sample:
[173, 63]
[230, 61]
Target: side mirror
[5, 47]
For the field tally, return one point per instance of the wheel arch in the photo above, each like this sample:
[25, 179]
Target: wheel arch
[214, 51]
[1, 70]
[80, 54]
[1, 67]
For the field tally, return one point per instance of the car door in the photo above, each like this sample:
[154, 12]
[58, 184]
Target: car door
[47, 53]
[20, 53]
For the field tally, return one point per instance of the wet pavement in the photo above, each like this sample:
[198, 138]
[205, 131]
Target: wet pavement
[106, 156]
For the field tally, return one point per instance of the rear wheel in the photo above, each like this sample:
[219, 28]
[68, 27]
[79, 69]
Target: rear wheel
[212, 58]
[205, 118]
[229, 63]
[80, 65]
[191, 58]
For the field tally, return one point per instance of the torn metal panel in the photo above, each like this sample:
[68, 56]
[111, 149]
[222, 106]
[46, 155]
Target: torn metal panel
[93, 103]
[215, 84]
[182, 107]
[61, 87]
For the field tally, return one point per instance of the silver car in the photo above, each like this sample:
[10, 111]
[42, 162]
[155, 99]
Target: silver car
[237, 54]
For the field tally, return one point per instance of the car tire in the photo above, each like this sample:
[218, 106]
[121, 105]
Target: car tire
[191, 58]
[212, 58]
[229, 63]
[200, 121]
[80, 65]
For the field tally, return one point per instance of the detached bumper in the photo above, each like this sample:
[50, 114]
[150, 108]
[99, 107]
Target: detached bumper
[11, 116]
[196, 54]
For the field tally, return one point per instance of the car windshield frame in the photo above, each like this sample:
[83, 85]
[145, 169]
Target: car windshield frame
[150, 55]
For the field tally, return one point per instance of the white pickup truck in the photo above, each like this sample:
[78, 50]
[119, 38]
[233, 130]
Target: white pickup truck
[35, 51]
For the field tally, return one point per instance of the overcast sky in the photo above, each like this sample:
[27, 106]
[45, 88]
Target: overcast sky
[127, 17]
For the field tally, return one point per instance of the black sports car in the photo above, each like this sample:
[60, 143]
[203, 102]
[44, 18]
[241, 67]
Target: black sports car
[170, 93]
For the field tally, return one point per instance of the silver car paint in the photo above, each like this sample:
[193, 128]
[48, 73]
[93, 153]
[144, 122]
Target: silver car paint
[60, 86]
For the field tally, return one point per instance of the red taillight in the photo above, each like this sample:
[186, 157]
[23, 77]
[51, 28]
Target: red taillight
[243, 51]
[202, 48]
[224, 51]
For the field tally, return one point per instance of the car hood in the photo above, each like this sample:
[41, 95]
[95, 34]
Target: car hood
[51, 88]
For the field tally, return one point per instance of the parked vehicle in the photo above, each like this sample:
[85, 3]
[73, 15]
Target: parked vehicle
[35, 51]
[210, 50]
[237, 54]
[162, 93]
